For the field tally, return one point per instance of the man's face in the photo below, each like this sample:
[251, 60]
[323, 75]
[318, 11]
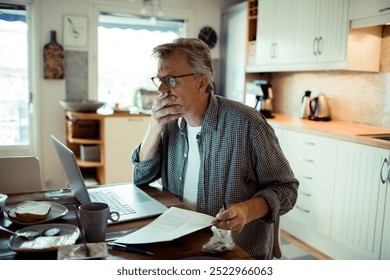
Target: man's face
[187, 89]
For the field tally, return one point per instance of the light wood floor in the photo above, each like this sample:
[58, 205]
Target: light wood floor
[299, 243]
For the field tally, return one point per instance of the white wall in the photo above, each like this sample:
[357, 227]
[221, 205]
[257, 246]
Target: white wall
[48, 15]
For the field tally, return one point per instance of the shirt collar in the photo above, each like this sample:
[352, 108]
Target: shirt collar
[210, 119]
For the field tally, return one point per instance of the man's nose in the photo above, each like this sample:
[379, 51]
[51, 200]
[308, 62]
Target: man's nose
[164, 88]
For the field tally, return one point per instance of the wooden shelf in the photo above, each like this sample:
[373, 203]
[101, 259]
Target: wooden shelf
[84, 141]
[89, 164]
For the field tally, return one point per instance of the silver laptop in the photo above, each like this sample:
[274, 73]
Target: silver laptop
[130, 201]
[20, 174]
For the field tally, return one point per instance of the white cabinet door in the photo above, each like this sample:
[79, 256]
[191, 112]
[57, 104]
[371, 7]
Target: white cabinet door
[321, 31]
[332, 30]
[359, 198]
[121, 136]
[275, 30]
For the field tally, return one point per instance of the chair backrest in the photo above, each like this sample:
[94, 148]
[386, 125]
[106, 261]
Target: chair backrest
[20, 174]
[277, 250]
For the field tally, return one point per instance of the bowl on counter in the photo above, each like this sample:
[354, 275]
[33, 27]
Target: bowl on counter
[81, 105]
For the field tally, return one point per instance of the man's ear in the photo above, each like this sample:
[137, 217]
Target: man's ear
[203, 82]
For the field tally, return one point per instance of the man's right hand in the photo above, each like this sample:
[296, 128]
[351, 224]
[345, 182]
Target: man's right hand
[164, 110]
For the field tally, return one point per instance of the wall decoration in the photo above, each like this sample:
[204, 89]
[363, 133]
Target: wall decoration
[75, 31]
[53, 56]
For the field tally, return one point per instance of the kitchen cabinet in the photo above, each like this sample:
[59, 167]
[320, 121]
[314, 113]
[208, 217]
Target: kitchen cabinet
[321, 30]
[363, 13]
[275, 30]
[359, 218]
[313, 160]
[121, 136]
[312, 35]
[112, 137]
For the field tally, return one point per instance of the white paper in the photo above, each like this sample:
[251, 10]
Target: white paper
[172, 224]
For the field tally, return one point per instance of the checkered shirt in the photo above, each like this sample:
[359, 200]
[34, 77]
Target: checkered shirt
[240, 159]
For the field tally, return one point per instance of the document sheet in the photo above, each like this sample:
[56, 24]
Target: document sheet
[172, 224]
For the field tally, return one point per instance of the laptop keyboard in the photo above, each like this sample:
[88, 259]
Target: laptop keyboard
[115, 202]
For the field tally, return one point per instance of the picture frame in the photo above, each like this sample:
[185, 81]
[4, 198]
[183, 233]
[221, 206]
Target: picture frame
[75, 31]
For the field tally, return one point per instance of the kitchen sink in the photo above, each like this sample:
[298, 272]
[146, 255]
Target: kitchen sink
[385, 137]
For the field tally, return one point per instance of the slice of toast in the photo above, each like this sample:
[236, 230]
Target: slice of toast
[32, 211]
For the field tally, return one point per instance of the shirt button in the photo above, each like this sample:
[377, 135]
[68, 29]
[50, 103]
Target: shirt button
[185, 155]
[180, 178]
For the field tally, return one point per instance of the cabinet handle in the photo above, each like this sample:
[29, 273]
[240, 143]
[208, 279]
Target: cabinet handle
[388, 174]
[384, 9]
[381, 171]
[272, 50]
[308, 143]
[314, 45]
[276, 50]
[307, 177]
[305, 159]
[304, 193]
[319, 46]
[301, 209]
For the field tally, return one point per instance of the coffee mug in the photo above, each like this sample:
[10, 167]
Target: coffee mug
[94, 217]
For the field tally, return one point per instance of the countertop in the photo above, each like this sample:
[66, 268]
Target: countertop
[336, 129]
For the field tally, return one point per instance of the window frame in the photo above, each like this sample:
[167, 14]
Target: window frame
[186, 16]
[32, 147]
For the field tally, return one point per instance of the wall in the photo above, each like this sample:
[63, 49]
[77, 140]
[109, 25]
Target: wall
[48, 15]
[357, 97]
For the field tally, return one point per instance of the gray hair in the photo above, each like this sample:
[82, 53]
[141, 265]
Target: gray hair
[195, 51]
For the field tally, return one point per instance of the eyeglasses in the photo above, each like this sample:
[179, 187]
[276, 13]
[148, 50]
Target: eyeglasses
[170, 81]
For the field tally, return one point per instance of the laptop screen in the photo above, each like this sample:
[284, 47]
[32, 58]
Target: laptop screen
[72, 171]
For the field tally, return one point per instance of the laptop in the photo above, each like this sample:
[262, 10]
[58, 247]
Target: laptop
[19, 174]
[130, 201]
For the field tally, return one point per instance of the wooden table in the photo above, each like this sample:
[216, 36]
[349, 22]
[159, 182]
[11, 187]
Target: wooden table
[186, 247]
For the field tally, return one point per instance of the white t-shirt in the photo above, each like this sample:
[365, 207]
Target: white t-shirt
[191, 176]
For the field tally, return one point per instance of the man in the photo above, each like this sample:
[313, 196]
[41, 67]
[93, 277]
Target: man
[212, 151]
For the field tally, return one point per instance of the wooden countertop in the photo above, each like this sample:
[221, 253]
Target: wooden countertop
[75, 115]
[336, 129]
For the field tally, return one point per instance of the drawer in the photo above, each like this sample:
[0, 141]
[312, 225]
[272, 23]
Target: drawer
[308, 160]
[314, 179]
[314, 210]
[310, 142]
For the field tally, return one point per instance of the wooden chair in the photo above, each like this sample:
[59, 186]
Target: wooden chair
[20, 174]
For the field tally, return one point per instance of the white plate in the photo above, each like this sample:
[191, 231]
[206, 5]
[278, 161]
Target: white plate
[56, 211]
[67, 236]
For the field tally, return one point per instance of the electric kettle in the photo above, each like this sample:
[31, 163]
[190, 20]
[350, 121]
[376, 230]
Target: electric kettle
[305, 111]
[319, 109]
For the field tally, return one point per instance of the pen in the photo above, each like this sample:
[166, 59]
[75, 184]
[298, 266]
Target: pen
[224, 207]
[128, 248]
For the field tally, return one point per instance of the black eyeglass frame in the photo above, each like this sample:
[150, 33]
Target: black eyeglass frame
[169, 80]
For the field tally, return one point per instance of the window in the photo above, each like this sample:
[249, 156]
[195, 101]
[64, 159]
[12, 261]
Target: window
[14, 80]
[125, 62]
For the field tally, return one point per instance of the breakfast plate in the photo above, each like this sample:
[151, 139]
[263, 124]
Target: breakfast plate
[67, 235]
[56, 211]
